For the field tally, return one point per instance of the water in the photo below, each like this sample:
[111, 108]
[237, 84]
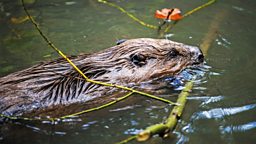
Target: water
[221, 108]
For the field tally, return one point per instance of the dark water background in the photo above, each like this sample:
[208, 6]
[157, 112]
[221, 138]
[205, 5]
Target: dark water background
[221, 108]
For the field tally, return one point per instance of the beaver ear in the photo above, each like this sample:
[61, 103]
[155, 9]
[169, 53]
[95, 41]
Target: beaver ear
[138, 59]
[118, 42]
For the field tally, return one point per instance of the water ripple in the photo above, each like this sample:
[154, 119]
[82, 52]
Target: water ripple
[207, 99]
[238, 128]
[223, 41]
[125, 108]
[60, 133]
[181, 138]
[218, 113]
[212, 100]
[35, 129]
[132, 131]
[195, 73]
[87, 125]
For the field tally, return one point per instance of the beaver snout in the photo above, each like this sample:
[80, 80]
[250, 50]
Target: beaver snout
[196, 54]
[200, 58]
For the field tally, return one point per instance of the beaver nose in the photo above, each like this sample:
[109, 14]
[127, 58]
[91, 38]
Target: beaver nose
[200, 58]
[197, 55]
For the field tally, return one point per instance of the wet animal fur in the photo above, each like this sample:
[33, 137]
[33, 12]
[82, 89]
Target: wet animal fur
[56, 83]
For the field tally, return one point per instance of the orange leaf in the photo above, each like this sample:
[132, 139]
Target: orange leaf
[171, 14]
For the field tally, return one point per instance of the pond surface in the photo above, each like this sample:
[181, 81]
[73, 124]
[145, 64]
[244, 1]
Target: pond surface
[220, 109]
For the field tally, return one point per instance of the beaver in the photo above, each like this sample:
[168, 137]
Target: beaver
[55, 83]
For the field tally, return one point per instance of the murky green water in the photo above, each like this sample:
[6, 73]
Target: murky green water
[221, 108]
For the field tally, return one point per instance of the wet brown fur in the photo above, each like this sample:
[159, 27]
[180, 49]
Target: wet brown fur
[55, 84]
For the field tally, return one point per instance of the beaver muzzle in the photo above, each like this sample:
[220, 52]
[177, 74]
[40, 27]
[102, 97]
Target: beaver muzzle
[196, 54]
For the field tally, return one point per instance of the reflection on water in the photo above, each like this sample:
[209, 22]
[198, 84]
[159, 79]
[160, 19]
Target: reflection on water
[206, 99]
[217, 113]
[220, 109]
[239, 128]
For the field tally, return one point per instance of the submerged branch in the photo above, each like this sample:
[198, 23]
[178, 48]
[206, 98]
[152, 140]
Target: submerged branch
[163, 129]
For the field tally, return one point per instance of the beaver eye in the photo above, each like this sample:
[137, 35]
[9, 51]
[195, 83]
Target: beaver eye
[138, 59]
[173, 53]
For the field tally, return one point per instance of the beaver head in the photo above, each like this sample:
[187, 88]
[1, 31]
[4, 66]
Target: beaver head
[56, 82]
[143, 59]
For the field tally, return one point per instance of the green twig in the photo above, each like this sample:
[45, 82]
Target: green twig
[99, 107]
[164, 128]
[128, 14]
